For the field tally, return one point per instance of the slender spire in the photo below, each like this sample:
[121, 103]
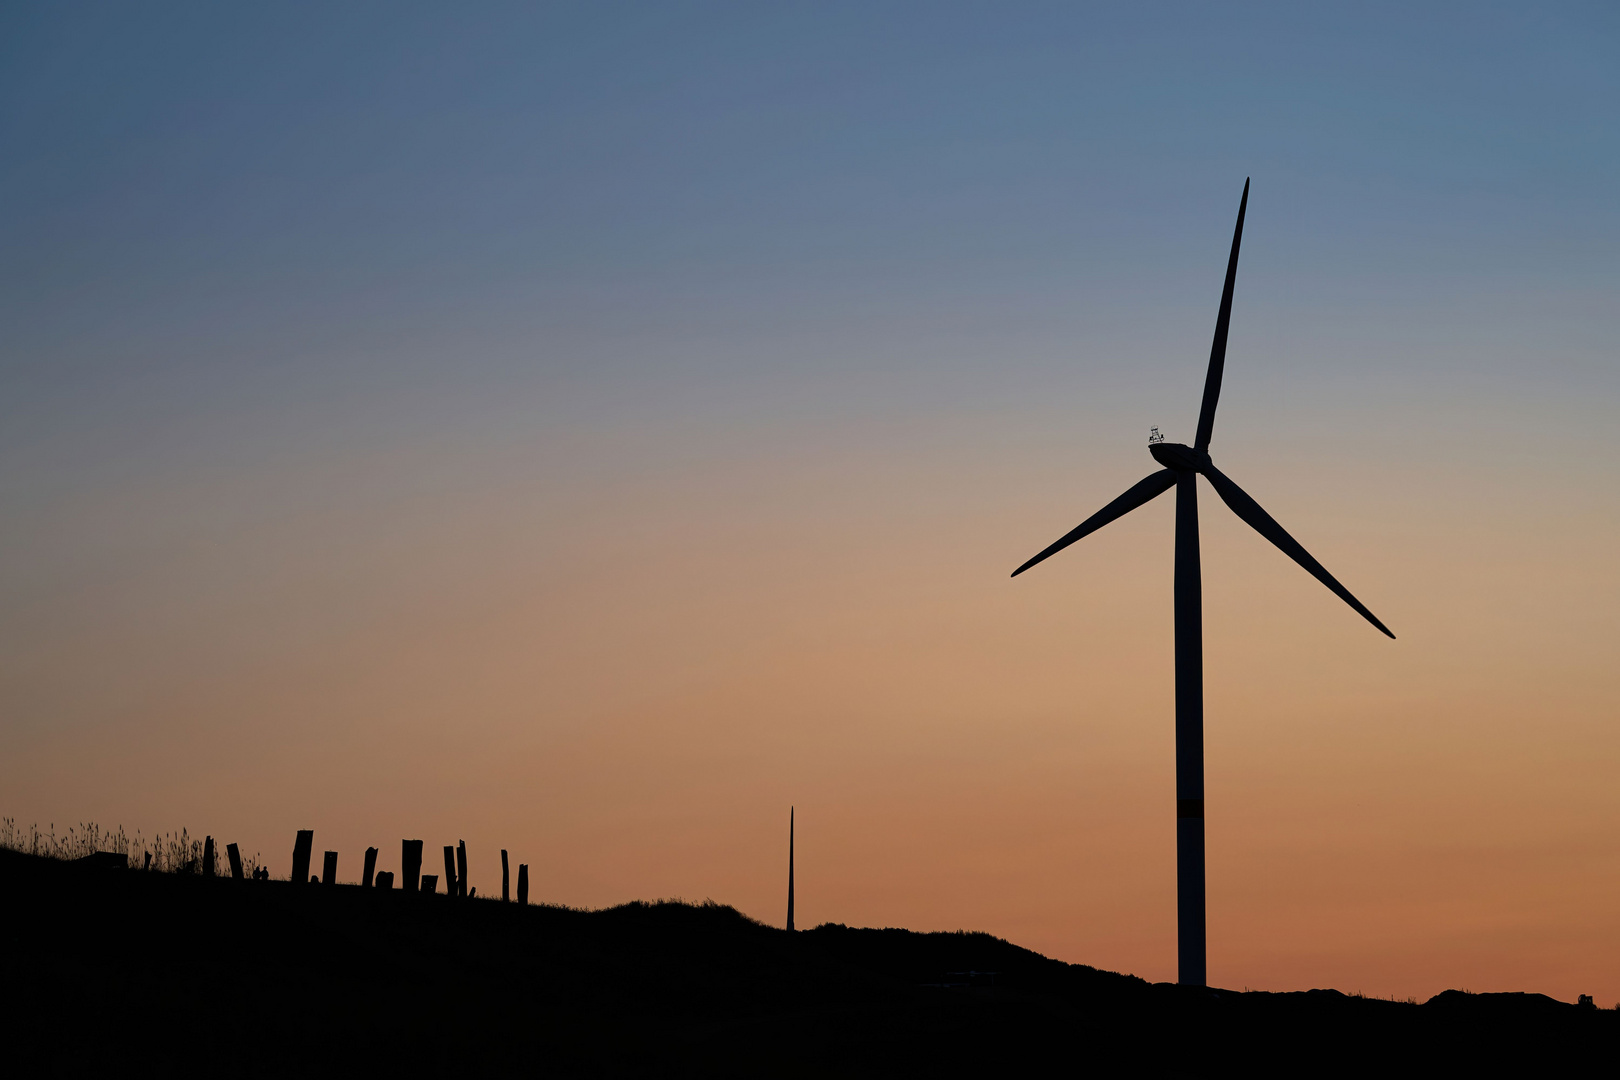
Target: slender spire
[790, 868]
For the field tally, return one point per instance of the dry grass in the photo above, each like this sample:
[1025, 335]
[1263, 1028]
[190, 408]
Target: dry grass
[165, 853]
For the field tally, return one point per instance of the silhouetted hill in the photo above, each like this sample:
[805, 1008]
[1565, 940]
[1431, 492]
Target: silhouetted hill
[110, 971]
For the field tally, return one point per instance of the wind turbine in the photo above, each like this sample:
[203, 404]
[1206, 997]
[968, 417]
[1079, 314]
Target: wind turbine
[1182, 466]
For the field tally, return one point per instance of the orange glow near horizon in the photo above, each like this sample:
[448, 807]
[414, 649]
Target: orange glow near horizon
[626, 685]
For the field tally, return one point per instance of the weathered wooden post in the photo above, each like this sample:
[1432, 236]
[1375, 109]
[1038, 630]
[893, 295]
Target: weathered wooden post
[385, 879]
[371, 866]
[233, 853]
[329, 869]
[523, 883]
[449, 870]
[410, 864]
[430, 883]
[208, 856]
[301, 850]
[461, 868]
[506, 893]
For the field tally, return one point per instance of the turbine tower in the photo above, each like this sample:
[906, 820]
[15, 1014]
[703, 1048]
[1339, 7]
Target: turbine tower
[1182, 466]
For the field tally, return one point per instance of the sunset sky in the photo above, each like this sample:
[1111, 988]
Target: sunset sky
[590, 429]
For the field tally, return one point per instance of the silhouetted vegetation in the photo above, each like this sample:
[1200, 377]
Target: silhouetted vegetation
[166, 853]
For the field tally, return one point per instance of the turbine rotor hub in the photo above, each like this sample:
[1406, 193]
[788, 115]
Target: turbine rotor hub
[1179, 456]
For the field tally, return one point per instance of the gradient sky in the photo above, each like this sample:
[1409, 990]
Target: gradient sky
[590, 429]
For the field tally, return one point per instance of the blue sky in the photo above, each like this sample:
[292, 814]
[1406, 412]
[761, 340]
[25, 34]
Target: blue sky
[300, 182]
[231, 231]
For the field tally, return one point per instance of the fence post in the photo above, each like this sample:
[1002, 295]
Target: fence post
[430, 883]
[301, 850]
[506, 893]
[208, 856]
[410, 864]
[329, 869]
[449, 870]
[523, 883]
[235, 855]
[385, 879]
[461, 868]
[371, 866]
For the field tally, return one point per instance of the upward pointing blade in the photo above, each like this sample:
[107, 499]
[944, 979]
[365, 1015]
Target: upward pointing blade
[1145, 491]
[1217, 352]
[1263, 523]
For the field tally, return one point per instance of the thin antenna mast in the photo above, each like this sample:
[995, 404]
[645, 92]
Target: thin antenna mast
[790, 869]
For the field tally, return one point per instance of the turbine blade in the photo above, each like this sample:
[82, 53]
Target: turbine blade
[1217, 352]
[1264, 524]
[1145, 491]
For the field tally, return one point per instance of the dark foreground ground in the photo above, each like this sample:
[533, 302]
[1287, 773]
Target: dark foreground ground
[123, 973]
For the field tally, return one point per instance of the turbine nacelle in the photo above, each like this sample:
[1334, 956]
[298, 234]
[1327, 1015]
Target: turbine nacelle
[1180, 456]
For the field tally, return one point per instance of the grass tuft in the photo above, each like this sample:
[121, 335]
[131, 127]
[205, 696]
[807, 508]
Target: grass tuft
[171, 853]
